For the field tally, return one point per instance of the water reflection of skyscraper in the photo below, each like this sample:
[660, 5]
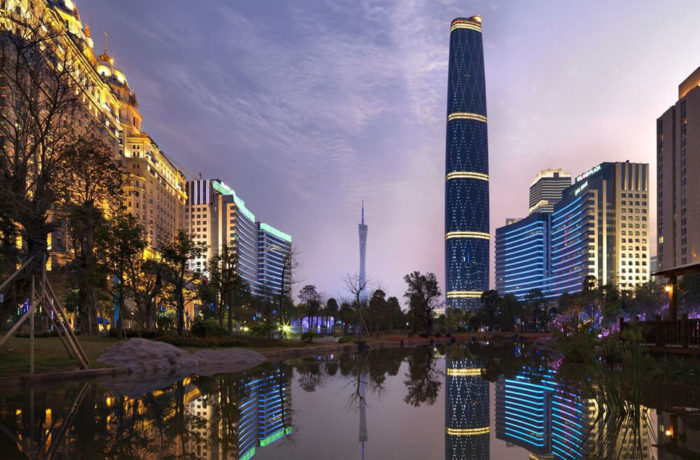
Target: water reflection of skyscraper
[260, 405]
[467, 422]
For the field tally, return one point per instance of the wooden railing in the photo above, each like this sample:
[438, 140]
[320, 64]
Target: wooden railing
[682, 332]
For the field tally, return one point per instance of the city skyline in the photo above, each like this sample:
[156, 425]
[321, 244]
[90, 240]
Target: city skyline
[546, 117]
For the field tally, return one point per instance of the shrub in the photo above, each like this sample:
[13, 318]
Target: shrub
[307, 337]
[165, 323]
[345, 339]
[208, 328]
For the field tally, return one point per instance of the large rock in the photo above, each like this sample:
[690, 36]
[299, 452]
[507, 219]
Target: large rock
[148, 357]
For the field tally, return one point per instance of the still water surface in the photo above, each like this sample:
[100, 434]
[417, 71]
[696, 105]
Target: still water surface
[420, 403]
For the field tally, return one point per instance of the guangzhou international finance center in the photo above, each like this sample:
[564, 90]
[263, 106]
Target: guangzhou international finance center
[467, 180]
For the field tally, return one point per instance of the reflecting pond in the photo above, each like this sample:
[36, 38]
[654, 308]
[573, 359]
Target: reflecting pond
[460, 402]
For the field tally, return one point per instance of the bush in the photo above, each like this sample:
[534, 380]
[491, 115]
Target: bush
[263, 329]
[307, 337]
[345, 339]
[165, 323]
[208, 328]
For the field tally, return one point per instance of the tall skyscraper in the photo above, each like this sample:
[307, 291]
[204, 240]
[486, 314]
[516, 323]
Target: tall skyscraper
[362, 228]
[546, 189]
[678, 166]
[466, 180]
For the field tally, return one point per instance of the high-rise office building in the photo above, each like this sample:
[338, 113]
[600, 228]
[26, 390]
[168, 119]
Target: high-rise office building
[467, 419]
[216, 216]
[522, 255]
[546, 189]
[677, 167]
[599, 230]
[362, 229]
[466, 180]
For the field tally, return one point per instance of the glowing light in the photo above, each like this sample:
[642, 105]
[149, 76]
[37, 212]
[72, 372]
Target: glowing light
[468, 431]
[467, 24]
[273, 231]
[481, 235]
[467, 175]
[464, 372]
[466, 116]
[464, 294]
[275, 436]
[668, 288]
[286, 328]
[246, 328]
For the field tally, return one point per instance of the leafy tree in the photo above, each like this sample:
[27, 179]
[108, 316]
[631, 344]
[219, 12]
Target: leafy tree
[397, 318]
[96, 183]
[332, 308]
[490, 302]
[225, 281]
[510, 312]
[535, 302]
[310, 301]
[121, 245]
[347, 316]
[423, 296]
[177, 253]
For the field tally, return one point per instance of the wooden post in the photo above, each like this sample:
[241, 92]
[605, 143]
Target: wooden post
[657, 332]
[31, 331]
[684, 330]
[672, 298]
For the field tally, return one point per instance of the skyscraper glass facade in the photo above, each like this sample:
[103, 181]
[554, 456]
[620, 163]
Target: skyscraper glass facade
[467, 186]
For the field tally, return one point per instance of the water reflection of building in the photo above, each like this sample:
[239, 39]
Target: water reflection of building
[551, 421]
[260, 408]
[523, 406]
[467, 423]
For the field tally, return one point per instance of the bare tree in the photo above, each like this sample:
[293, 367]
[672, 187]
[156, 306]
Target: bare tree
[356, 287]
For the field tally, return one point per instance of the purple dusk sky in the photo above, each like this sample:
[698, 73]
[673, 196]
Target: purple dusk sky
[307, 107]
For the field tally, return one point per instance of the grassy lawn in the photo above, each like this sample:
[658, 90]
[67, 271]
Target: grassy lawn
[49, 354]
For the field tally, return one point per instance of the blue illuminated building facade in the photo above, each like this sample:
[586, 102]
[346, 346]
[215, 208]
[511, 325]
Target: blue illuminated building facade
[597, 233]
[466, 180]
[522, 255]
[274, 260]
[467, 421]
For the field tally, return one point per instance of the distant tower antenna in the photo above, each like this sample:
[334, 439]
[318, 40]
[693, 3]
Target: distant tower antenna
[105, 42]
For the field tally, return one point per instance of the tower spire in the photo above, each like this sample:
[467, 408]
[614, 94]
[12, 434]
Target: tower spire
[363, 212]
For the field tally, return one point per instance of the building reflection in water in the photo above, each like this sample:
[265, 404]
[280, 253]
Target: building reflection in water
[221, 417]
[467, 421]
[253, 412]
[552, 421]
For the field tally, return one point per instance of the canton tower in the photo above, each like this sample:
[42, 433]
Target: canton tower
[466, 180]
[363, 251]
